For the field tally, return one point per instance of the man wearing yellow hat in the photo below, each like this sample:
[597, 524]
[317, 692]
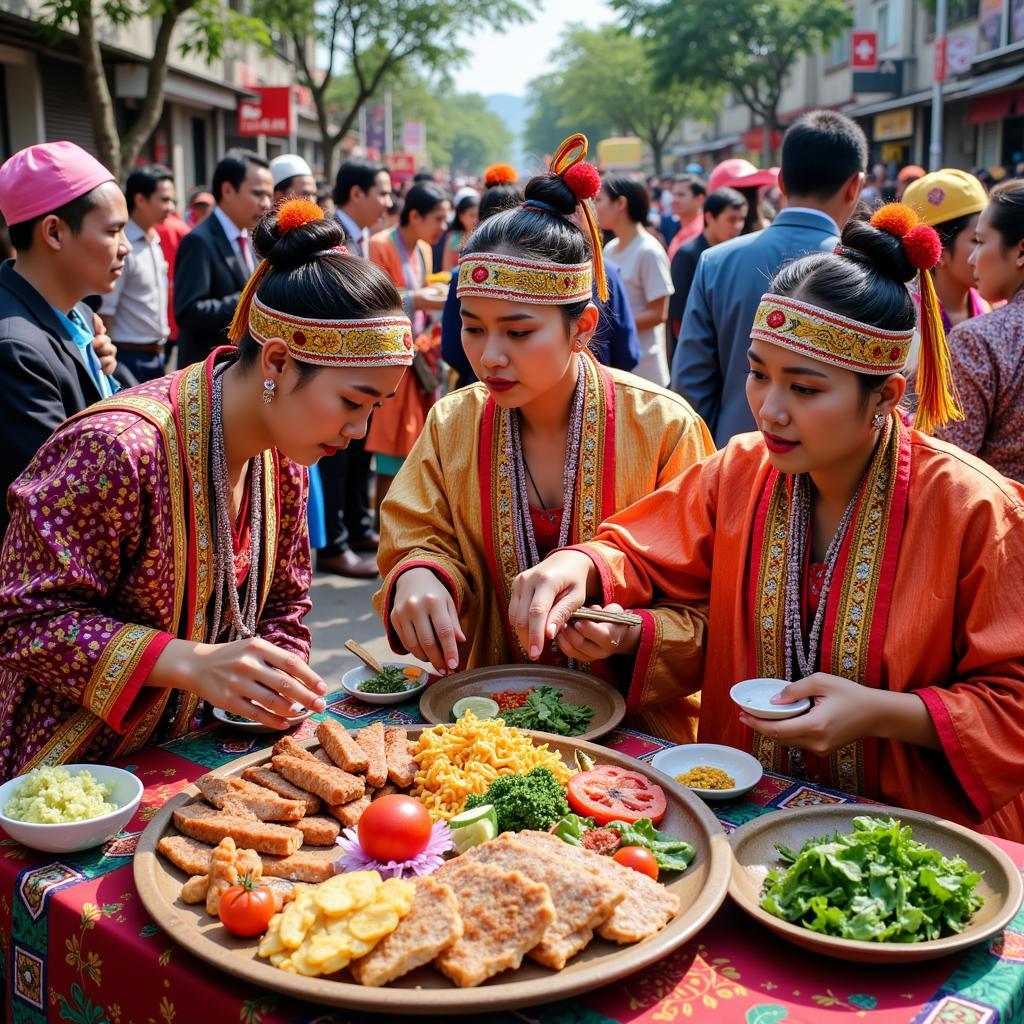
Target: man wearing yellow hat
[950, 201]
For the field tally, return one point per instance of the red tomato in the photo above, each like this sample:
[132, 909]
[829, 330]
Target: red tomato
[609, 793]
[639, 859]
[395, 828]
[246, 909]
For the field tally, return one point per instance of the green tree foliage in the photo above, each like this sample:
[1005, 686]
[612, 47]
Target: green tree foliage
[368, 40]
[604, 84]
[205, 27]
[747, 46]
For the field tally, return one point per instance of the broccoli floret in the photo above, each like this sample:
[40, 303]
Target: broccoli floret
[535, 800]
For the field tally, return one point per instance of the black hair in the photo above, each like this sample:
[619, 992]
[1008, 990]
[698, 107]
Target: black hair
[638, 199]
[232, 168]
[547, 234]
[821, 151]
[498, 198]
[423, 197]
[724, 199]
[1006, 203]
[949, 230]
[752, 197]
[465, 203]
[355, 174]
[327, 287]
[72, 213]
[698, 186]
[421, 177]
[286, 183]
[869, 285]
[143, 181]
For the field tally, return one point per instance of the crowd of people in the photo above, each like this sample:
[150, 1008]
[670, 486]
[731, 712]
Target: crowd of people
[764, 408]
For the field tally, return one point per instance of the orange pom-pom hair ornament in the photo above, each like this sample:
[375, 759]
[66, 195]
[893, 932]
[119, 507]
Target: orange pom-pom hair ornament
[290, 215]
[938, 402]
[500, 174]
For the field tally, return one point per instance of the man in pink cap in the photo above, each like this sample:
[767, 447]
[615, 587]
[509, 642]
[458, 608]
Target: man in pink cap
[66, 218]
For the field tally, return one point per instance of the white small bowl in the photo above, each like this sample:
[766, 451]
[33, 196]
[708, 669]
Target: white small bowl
[755, 697]
[746, 770]
[355, 677]
[74, 836]
[251, 725]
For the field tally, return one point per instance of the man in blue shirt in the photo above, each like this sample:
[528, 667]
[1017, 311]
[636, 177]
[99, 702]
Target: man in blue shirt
[824, 155]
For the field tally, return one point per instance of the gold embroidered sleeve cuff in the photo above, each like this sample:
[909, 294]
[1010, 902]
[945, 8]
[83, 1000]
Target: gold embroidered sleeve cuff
[490, 276]
[829, 337]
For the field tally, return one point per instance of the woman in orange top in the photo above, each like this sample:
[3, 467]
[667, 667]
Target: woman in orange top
[875, 568]
[405, 254]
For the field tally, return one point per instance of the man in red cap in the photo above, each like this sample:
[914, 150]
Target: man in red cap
[66, 218]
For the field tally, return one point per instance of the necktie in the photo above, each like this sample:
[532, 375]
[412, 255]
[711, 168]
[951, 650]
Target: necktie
[243, 244]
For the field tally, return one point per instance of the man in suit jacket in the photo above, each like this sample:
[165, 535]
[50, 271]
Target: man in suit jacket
[67, 218]
[216, 257]
[823, 159]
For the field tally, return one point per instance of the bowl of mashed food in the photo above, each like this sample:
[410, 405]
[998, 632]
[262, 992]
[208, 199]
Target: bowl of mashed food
[69, 807]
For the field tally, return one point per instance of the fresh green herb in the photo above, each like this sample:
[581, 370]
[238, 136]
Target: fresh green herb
[546, 711]
[391, 680]
[875, 884]
[535, 800]
[571, 829]
[671, 852]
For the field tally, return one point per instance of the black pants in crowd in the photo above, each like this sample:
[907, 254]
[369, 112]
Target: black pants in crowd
[345, 477]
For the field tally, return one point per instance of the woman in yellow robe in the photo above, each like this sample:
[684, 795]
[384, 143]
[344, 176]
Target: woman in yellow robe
[484, 492]
[911, 551]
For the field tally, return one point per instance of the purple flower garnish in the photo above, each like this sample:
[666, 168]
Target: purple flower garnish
[426, 863]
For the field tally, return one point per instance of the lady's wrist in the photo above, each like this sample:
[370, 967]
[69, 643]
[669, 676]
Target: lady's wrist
[169, 672]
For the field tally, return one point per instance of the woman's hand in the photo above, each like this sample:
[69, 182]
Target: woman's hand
[545, 596]
[246, 677]
[595, 641]
[424, 617]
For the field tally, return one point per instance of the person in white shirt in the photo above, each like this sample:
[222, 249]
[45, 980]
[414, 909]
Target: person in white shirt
[135, 312]
[622, 207]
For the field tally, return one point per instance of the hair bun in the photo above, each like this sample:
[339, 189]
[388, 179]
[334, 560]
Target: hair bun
[584, 179]
[921, 243]
[294, 233]
[882, 250]
[552, 190]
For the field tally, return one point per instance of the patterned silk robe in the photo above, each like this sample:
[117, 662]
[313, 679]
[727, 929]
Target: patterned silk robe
[926, 599]
[450, 510]
[109, 556]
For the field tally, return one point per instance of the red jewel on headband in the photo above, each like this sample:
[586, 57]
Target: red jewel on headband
[299, 338]
[776, 319]
[894, 352]
[479, 275]
[407, 340]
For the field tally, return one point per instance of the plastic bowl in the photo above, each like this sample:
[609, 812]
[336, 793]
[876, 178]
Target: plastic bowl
[744, 768]
[74, 836]
[354, 677]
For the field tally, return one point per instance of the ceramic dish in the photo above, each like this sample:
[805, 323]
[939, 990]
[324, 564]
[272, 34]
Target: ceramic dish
[746, 770]
[701, 890]
[248, 725]
[355, 677]
[755, 697]
[753, 847]
[577, 688]
[74, 836]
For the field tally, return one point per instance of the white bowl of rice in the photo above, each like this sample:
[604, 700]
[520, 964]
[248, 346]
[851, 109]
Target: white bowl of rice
[70, 807]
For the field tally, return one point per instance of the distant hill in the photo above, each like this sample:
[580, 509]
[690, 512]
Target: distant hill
[512, 110]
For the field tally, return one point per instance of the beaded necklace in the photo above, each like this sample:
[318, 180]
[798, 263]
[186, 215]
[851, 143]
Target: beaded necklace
[240, 620]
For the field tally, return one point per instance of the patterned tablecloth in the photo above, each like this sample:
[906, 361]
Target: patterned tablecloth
[78, 946]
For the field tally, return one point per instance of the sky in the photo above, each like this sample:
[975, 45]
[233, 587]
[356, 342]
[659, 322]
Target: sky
[506, 61]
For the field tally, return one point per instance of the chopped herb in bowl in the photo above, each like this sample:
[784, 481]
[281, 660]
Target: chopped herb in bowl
[392, 680]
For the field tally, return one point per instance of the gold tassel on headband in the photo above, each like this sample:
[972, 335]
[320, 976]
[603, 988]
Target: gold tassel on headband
[240, 321]
[568, 163]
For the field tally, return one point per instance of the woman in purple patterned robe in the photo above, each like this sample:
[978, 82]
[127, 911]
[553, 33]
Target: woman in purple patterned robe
[114, 573]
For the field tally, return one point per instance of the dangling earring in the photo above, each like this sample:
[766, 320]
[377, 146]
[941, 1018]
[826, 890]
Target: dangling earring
[269, 387]
[878, 420]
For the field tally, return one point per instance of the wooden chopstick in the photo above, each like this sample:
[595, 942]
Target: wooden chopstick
[600, 615]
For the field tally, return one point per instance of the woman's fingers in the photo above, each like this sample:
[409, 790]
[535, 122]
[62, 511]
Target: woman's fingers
[289, 663]
[427, 641]
[287, 690]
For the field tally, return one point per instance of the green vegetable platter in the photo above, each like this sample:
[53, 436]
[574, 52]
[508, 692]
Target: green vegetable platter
[559, 701]
[872, 884]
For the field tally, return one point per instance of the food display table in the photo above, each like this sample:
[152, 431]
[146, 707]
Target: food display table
[77, 945]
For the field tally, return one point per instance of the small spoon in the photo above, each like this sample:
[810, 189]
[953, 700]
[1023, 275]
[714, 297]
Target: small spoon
[365, 656]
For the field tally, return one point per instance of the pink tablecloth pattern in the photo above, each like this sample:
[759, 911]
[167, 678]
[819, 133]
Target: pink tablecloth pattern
[79, 947]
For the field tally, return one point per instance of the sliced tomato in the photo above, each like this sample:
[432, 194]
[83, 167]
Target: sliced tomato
[639, 859]
[610, 793]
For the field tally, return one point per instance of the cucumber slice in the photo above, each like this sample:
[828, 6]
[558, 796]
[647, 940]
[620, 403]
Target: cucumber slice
[482, 707]
[471, 828]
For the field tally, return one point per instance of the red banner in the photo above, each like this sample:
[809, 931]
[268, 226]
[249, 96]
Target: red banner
[864, 51]
[272, 114]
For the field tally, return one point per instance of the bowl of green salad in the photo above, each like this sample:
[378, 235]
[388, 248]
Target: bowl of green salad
[397, 683]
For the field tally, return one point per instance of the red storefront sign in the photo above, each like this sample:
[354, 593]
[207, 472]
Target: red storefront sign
[402, 166]
[272, 114]
[864, 51]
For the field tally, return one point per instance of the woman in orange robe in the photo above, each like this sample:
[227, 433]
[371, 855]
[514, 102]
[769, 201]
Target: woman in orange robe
[911, 550]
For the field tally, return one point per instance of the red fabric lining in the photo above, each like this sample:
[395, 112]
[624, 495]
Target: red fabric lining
[120, 720]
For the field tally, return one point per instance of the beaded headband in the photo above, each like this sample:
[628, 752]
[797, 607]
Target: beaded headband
[829, 337]
[490, 276]
[378, 341]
